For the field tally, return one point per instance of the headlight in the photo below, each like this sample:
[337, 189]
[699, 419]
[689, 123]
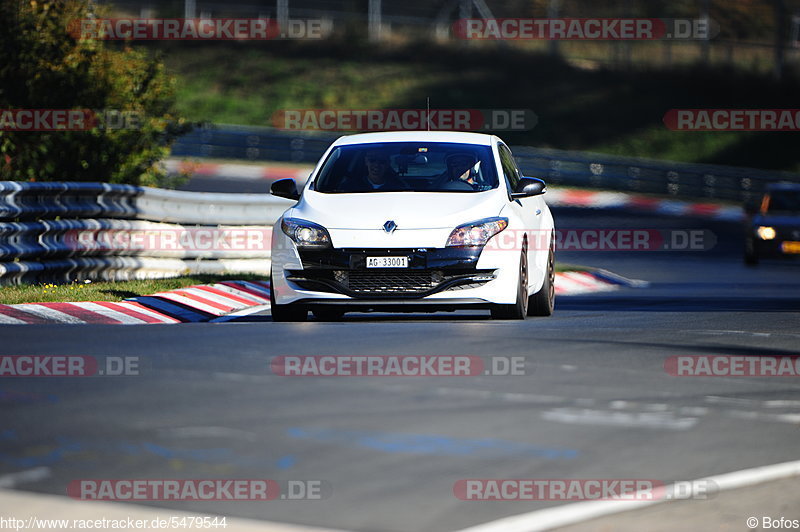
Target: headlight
[476, 233]
[766, 233]
[306, 234]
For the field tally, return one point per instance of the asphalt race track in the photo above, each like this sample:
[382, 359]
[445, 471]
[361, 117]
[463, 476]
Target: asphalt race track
[595, 402]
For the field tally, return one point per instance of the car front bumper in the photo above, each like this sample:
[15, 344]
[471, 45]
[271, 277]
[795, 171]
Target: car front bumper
[776, 248]
[442, 277]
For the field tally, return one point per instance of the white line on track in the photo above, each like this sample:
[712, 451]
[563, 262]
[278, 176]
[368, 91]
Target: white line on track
[781, 403]
[650, 420]
[715, 332]
[719, 400]
[792, 417]
[513, 397]
[209, 432]
[570, 514]
[242, 377]
[11, 480]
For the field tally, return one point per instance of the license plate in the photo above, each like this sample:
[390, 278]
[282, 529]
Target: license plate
[387, 262]
[790, 247]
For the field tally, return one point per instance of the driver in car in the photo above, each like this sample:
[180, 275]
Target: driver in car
[460, 167]
[380, 175]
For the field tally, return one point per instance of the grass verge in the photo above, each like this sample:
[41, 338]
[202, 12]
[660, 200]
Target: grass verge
[561, 268]
[107, 291]
[117, 291]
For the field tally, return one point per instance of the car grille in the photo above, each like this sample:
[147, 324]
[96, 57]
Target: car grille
[389, 282]
[368, 283]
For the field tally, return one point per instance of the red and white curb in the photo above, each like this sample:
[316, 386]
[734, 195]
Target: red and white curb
[574, 283]
[237, 171]
[568, 197]
[197, 303]
[592, 281]
[226, 301]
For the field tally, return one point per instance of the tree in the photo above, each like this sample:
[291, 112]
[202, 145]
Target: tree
[44, 65]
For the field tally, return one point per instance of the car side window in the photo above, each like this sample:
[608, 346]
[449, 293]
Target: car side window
[509, 167]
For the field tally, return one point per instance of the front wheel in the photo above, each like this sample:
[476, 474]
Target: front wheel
[518, 310]
[290, 312]
[543, 302]
[750, 254]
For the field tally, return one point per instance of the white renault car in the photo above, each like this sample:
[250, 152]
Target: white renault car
[413, 221]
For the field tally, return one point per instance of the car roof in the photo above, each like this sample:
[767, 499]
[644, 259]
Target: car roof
[783, 186]
[478, 139]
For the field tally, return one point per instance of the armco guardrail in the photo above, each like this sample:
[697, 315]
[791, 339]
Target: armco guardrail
[69, 231]
[253, 143]
[562, 167]
[90, 237]
[687, 180]
[204, 207]
[27, 201]
[122, 268]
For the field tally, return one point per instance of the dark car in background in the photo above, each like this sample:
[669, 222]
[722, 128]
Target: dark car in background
[773, 228]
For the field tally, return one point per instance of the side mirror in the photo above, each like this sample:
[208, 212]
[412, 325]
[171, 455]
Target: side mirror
[529, 186]
[285, 188]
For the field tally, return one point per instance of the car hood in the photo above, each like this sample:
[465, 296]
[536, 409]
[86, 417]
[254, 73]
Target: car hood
[409, 210]
[777, 220]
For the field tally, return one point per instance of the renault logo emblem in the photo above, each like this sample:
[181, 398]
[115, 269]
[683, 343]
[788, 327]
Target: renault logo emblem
[389, 226]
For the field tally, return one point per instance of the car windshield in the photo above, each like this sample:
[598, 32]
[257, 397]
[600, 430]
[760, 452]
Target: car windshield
[783, 201]
[408, 166]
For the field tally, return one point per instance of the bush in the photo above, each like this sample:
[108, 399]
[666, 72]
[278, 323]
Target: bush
[45, 66]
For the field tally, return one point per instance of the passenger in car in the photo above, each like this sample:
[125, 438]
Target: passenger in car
[379, 176]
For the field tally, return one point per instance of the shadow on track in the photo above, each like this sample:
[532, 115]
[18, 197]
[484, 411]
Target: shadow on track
[673, 303]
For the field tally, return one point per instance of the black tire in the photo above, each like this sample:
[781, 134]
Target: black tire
[290, 312]
[543, 302]
[518, 310]
[750, 254]
[327, 313]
